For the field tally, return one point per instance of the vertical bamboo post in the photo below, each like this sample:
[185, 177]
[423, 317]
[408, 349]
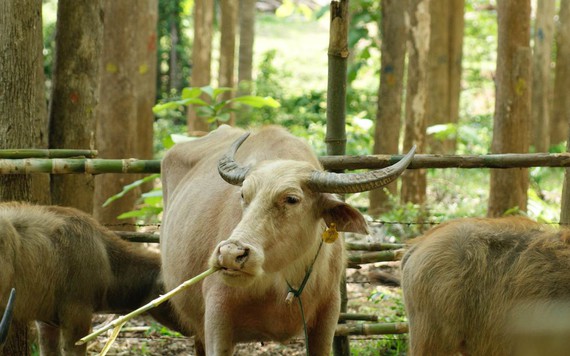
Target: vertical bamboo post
[336, 115]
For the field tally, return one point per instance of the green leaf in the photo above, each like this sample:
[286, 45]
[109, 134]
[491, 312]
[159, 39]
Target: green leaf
[219, 91]
[256, 101]
[225, 117]
[208, 90]
[127, 188]
[192, 101]
[191, 93]
[165, 106]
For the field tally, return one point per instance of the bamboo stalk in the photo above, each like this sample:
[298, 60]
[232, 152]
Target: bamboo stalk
[508, 160]
[352, 316]
[371, 329]
[153, 303]
[376, 256]
[134, 236]
[46, 153]
[374, 246]
[332, 163]
[67, 166]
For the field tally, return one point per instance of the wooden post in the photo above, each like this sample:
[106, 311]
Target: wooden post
[336, 116]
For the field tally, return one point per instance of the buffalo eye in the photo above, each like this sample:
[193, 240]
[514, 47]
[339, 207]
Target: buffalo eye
[292, 200]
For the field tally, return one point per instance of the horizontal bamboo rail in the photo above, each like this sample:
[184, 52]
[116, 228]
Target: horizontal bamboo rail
[362, 317]
[46, 153]
[508, 160]
[98, 166]
[72, 165]
[373, 257]
[371, 329]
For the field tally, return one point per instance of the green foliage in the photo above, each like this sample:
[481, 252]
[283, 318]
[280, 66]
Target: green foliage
[214, 109]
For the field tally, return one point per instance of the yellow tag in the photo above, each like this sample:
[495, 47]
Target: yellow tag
[330, 234]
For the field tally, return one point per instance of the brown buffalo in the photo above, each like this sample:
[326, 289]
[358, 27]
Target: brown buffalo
[65, 266]
[260, 221]
[488, 287]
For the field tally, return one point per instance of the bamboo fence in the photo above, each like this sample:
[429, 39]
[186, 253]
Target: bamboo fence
[333, 163]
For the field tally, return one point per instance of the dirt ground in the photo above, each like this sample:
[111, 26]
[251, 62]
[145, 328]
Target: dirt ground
[143, 336]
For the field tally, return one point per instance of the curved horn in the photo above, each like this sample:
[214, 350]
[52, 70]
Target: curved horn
[7, 318]
[328, 182]
[228, 168]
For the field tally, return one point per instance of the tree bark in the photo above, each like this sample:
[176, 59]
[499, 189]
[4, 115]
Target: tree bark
[561, 106]
[246, 41]
[118, 108]
[511, 128]
[201, 56]
[24, 115]
[456, 32]
[146, 45]
[390, 92]
[75, 95]
[541, 78]
[414, 183]
[229, 10]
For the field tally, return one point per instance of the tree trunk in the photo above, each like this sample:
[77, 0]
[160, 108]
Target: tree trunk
[390, 91]
[24, 115]
[75, 94]
[118, 108]
[228, 48]
[437, 106]
[201, 56]
[246, 40]
[560, 102]
[446, 42]
[414, 182]
[456, 31]
[146, 44]
[541, 84]
[511, 129]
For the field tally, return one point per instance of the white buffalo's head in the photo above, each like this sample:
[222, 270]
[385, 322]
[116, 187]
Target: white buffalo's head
[286, 206]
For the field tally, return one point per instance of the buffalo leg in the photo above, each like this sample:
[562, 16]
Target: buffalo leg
[322, 333]
[75, 326]
[48, 339]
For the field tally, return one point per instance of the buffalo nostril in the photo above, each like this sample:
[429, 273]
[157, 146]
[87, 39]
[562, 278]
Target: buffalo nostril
[243, 257]
[232, 256]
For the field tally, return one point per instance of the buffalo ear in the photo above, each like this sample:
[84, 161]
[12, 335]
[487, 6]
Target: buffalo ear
[345, 217]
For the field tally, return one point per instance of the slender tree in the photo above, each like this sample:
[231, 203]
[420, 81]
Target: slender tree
[117, 112]
[229, 12]
[246, 41]
[560, 104]
[24, 115]
[414, 182]
[511, 128]
[446, 41]
[146, 67]
[389, 114]
[541, 78]
[201, 56]
[75, 95]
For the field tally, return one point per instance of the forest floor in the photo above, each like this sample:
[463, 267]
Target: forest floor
[142, 336]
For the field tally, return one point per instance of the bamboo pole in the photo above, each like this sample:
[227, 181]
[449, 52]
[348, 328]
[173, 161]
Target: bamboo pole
[376, 256]
[46, 153]
[371, 329]
[332, 163]
[351, 316]
[336, 115]
[134, 236]
[508, 160]
[365, 246]
[67, 166]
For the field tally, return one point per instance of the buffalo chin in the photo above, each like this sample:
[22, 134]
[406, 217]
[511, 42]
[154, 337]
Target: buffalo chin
[235, 278]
